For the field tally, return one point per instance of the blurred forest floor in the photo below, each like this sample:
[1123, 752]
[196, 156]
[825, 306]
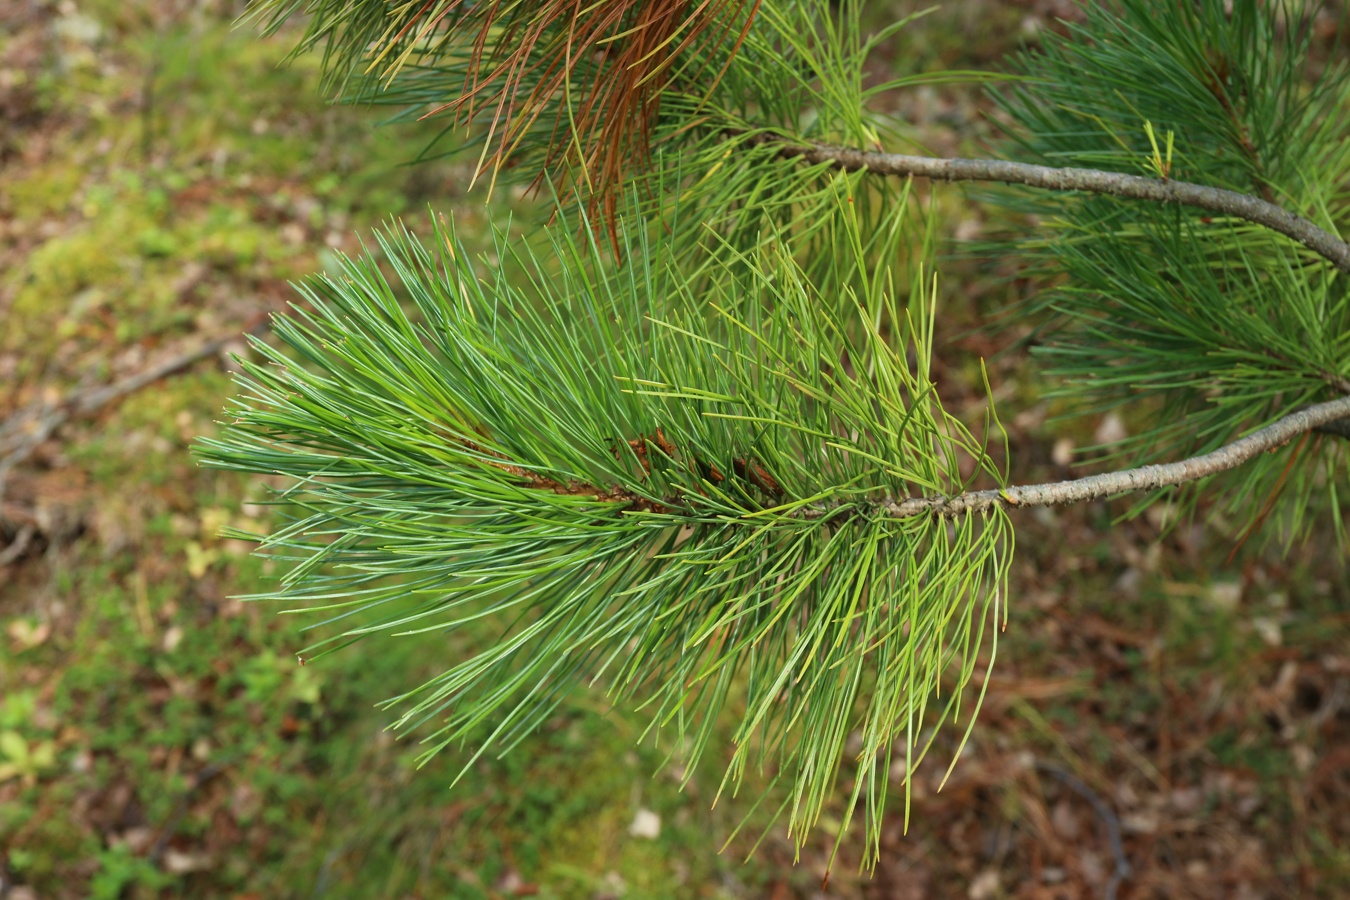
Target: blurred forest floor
[162, 178]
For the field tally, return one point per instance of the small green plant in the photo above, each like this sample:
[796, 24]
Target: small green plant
[24, 759]
[120, 869]
[17, 709]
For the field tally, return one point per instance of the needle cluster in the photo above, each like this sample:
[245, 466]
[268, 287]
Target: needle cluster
[704, 465]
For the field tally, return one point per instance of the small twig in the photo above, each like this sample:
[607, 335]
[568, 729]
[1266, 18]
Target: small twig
[326, 868]
[148, 113]
[1108, 484]
[180, 808]
[26, 430]
[1115, 184]
[1108, 817]
[18, 546]
[1331, 704]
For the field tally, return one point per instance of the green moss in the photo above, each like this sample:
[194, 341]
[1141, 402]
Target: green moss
[64, 266]
[44, 191]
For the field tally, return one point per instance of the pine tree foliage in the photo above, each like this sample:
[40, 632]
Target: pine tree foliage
[691, 461]
[679, 507]
[1226, 324]
[510, 61]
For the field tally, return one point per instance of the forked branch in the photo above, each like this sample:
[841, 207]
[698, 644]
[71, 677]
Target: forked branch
[1116, 184]
[1108, 484]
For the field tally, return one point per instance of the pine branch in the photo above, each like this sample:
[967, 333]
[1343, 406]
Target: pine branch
[713, 476]
[1333, 413]
[1116, 184]
[1340, 428]
[584, 451]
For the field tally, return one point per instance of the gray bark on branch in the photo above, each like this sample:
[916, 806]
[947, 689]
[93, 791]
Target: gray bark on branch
[1340, 428]
[1108, 484]
[1116, 184]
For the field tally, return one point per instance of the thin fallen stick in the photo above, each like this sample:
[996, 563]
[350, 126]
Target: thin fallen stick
[180, 808]
[27, 429]
[18, 546]
[1105, 814]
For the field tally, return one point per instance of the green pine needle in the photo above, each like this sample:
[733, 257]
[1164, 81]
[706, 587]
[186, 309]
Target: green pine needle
[622, 484]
